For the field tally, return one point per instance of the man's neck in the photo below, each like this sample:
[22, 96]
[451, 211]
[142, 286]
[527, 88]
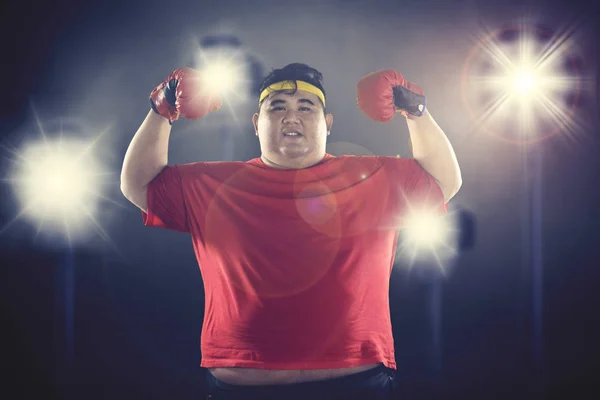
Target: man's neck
[301, 164]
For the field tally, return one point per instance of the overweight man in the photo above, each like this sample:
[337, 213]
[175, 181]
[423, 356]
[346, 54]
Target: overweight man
[295, 247]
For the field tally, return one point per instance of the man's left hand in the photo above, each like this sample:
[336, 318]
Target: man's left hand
[383, 93]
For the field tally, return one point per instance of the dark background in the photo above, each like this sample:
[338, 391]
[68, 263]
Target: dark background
[138, 302]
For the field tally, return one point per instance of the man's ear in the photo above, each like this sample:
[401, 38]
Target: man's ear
[329, 122]
[255, 123]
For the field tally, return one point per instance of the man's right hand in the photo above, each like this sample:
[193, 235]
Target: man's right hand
[182, 94]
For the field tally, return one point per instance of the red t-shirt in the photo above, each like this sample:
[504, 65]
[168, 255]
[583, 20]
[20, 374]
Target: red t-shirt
[295, 263]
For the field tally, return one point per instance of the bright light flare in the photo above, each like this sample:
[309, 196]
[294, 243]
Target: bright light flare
[524, 82]
[57, 183]
[225, 73]
[426, 236]
[520, 76]
[519, 89]
[222, 76]
[425, 229]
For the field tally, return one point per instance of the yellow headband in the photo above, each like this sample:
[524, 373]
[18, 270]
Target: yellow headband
[287, 85]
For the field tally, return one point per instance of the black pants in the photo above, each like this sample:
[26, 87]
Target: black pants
[374, 384]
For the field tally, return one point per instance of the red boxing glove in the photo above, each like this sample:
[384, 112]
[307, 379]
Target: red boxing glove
[182, 95]
[383, 93]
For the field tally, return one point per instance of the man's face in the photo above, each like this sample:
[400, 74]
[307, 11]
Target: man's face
[292, 129]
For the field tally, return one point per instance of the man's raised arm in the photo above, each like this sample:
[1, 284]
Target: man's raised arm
[147, 155]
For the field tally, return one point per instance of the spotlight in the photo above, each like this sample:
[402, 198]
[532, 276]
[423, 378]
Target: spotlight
[521, 73]
[57, 184]
[428, 238]
[524, 82]
[225, 69]
[425, 230]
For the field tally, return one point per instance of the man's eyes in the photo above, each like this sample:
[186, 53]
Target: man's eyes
[278, 108]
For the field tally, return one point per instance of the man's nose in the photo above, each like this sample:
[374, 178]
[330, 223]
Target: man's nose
[291, 116]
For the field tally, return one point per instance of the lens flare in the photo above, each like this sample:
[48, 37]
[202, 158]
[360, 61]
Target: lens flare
[58, 181]
[525, 89]
[427, 237]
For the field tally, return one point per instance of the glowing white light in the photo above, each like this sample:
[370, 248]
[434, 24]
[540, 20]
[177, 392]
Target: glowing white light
[57, 184]
[225, 74]
[526, 79]
[425, 229]
[427, 236]
[518, 77]
[524, 82]
[222, 76]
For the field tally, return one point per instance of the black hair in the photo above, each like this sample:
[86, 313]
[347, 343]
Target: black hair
[294, 72]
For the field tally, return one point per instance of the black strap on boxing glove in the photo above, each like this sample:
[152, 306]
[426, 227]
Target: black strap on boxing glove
[410, 101]
[170, 96]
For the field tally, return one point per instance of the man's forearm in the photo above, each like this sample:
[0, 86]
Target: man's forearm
[433, 151]
[147, 153]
